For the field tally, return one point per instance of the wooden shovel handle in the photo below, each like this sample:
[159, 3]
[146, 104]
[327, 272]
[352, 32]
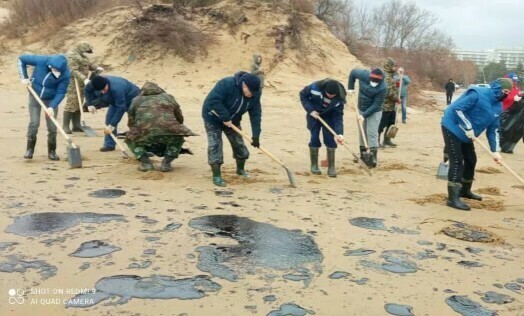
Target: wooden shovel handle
[364, 136]
[501, 162]
[58, 127]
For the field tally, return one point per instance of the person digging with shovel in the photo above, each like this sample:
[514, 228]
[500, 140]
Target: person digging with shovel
[389, 109]
[118, 93]
[50, 79]
[156, 123]
[223, 107]
[476, 111]
[325, 99]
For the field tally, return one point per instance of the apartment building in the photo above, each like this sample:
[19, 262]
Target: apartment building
[510, 56]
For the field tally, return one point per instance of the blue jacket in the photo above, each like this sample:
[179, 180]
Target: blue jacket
[405, 82]
[370, 99]
[44, 82]
[228, 101]
[478, 109]
[312, 99]
[121, 93]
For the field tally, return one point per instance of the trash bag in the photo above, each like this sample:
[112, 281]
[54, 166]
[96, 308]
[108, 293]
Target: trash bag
[512, 124]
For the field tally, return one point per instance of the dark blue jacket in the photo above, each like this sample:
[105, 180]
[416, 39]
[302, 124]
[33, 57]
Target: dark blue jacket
[312, 99]
[478, 109]
[228, 101]
[121, 93]
[44, 82]
[370, 99]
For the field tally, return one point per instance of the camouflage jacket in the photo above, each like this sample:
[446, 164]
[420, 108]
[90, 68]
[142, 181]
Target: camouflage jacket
[255, 68]
[79, 63]
[155, 113]
[392, 95]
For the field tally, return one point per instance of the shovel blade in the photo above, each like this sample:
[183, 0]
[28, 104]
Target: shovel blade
[88, 131]
[291, 178]
[442, 172]
[74, 157]
[392, 131]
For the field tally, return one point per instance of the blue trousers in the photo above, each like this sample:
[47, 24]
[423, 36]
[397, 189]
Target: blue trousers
[314, 126]
[404, 100]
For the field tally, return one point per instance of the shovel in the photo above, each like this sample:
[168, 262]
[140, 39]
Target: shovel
[247, 138]
[119, 144]
[367, 156]
[360, 162]
[73, 152]
[442, 172]
[393, 129]
[87, 130]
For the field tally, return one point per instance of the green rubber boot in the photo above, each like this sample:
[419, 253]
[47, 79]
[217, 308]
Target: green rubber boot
[332, 171]
[145, 164]
[313, 155]
[217, 176]
[241, 169]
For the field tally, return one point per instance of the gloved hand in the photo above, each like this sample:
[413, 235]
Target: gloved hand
[350, 92]
[91, 109]
[99, 69]
[399, 101]
[50, 112]
[25, 81]
[228, 124]
[314, 114]
[255, 142]
[446, 158]
[497, 157]
[470, 133]
[517, 98]
[400, 70]
[339, 139]
[109, 129]
[86, 81]
[360, 118]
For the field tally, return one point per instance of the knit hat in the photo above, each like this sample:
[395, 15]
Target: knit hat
[252, 82]
[332, 87]
[376, 75]
[506, 83]
[99, 83]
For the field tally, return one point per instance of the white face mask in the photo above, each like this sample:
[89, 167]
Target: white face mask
[56, 73]
[373, 84]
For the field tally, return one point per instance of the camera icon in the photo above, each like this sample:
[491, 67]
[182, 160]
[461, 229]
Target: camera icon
[16, 296]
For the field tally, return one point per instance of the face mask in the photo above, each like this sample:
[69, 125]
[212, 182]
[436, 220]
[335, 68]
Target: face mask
[502, 97]
[56, 73]
[373, 84]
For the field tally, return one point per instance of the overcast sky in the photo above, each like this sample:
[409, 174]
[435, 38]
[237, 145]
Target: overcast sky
[475, 24]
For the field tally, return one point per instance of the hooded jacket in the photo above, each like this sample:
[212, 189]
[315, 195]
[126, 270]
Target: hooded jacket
[44, 82]
[79, 63]
[478, 109]
[121, 93]
[155, 113]
[312, 99]
[229, 102]
[370, 99]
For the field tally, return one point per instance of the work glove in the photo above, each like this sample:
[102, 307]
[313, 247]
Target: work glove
[360, 118]
[26, 81]
[109, 129]
[517, 98]
[350, 92]
[86, 81]
[228, 124]
[50, 112]
[255, 142]
[446, 157]
[314, 114]
[400, 71]
[497, 157]
[470, 133]
[91, 108]
[339, 139]
[99, 69]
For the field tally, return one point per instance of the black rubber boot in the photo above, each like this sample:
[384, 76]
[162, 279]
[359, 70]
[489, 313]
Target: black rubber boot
[217, 176]
[332, 171]
[465, 192]
[313, 156]
[30, 151]
[166, 163]
[77, 127]
[105, 149]
[454, 200]
[51, 150]
[374, 160]
[66, 120]
[145, 164]
[362, 150]
[241, 171]
[388, 142]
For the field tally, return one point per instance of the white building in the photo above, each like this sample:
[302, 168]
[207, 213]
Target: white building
[510, 56]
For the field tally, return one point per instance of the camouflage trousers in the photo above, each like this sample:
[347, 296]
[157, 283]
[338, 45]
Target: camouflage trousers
[166, 145]
[215, 154]
[72, 98]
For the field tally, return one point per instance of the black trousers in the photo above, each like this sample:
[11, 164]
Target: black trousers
[462, 157]
[388, 119]
[449, 96]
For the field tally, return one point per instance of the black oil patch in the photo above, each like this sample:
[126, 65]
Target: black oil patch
[474, 250]
[470, 264]
[339, 275]
[399, 310]
[154, 287]
[94, 248]
[260, 245]
[40, 223]
[466, 307]
[515, 287]
[15, 264]
[7, 245]
[396, 261]
[368, 223]
[497, 298]
[463, 231]
[143, 265]
[290, 309]
[358, 252]
[269, 298]
[107, 193]
[169, 228]
[424, 243]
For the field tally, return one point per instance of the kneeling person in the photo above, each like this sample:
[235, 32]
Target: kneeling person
[156, 121]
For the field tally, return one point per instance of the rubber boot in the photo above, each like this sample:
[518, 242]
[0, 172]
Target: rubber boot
[166, 164]
[388, 142]
[31, 143]
[145, 164]
[66, 120]
[332, 171]
[217, 176]
[362, 151]
[77, 127]
[313, 156]
[465, 192]
[241, 168]
[381, 145]
[374, 160]
[454, 200]
[51, 150]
